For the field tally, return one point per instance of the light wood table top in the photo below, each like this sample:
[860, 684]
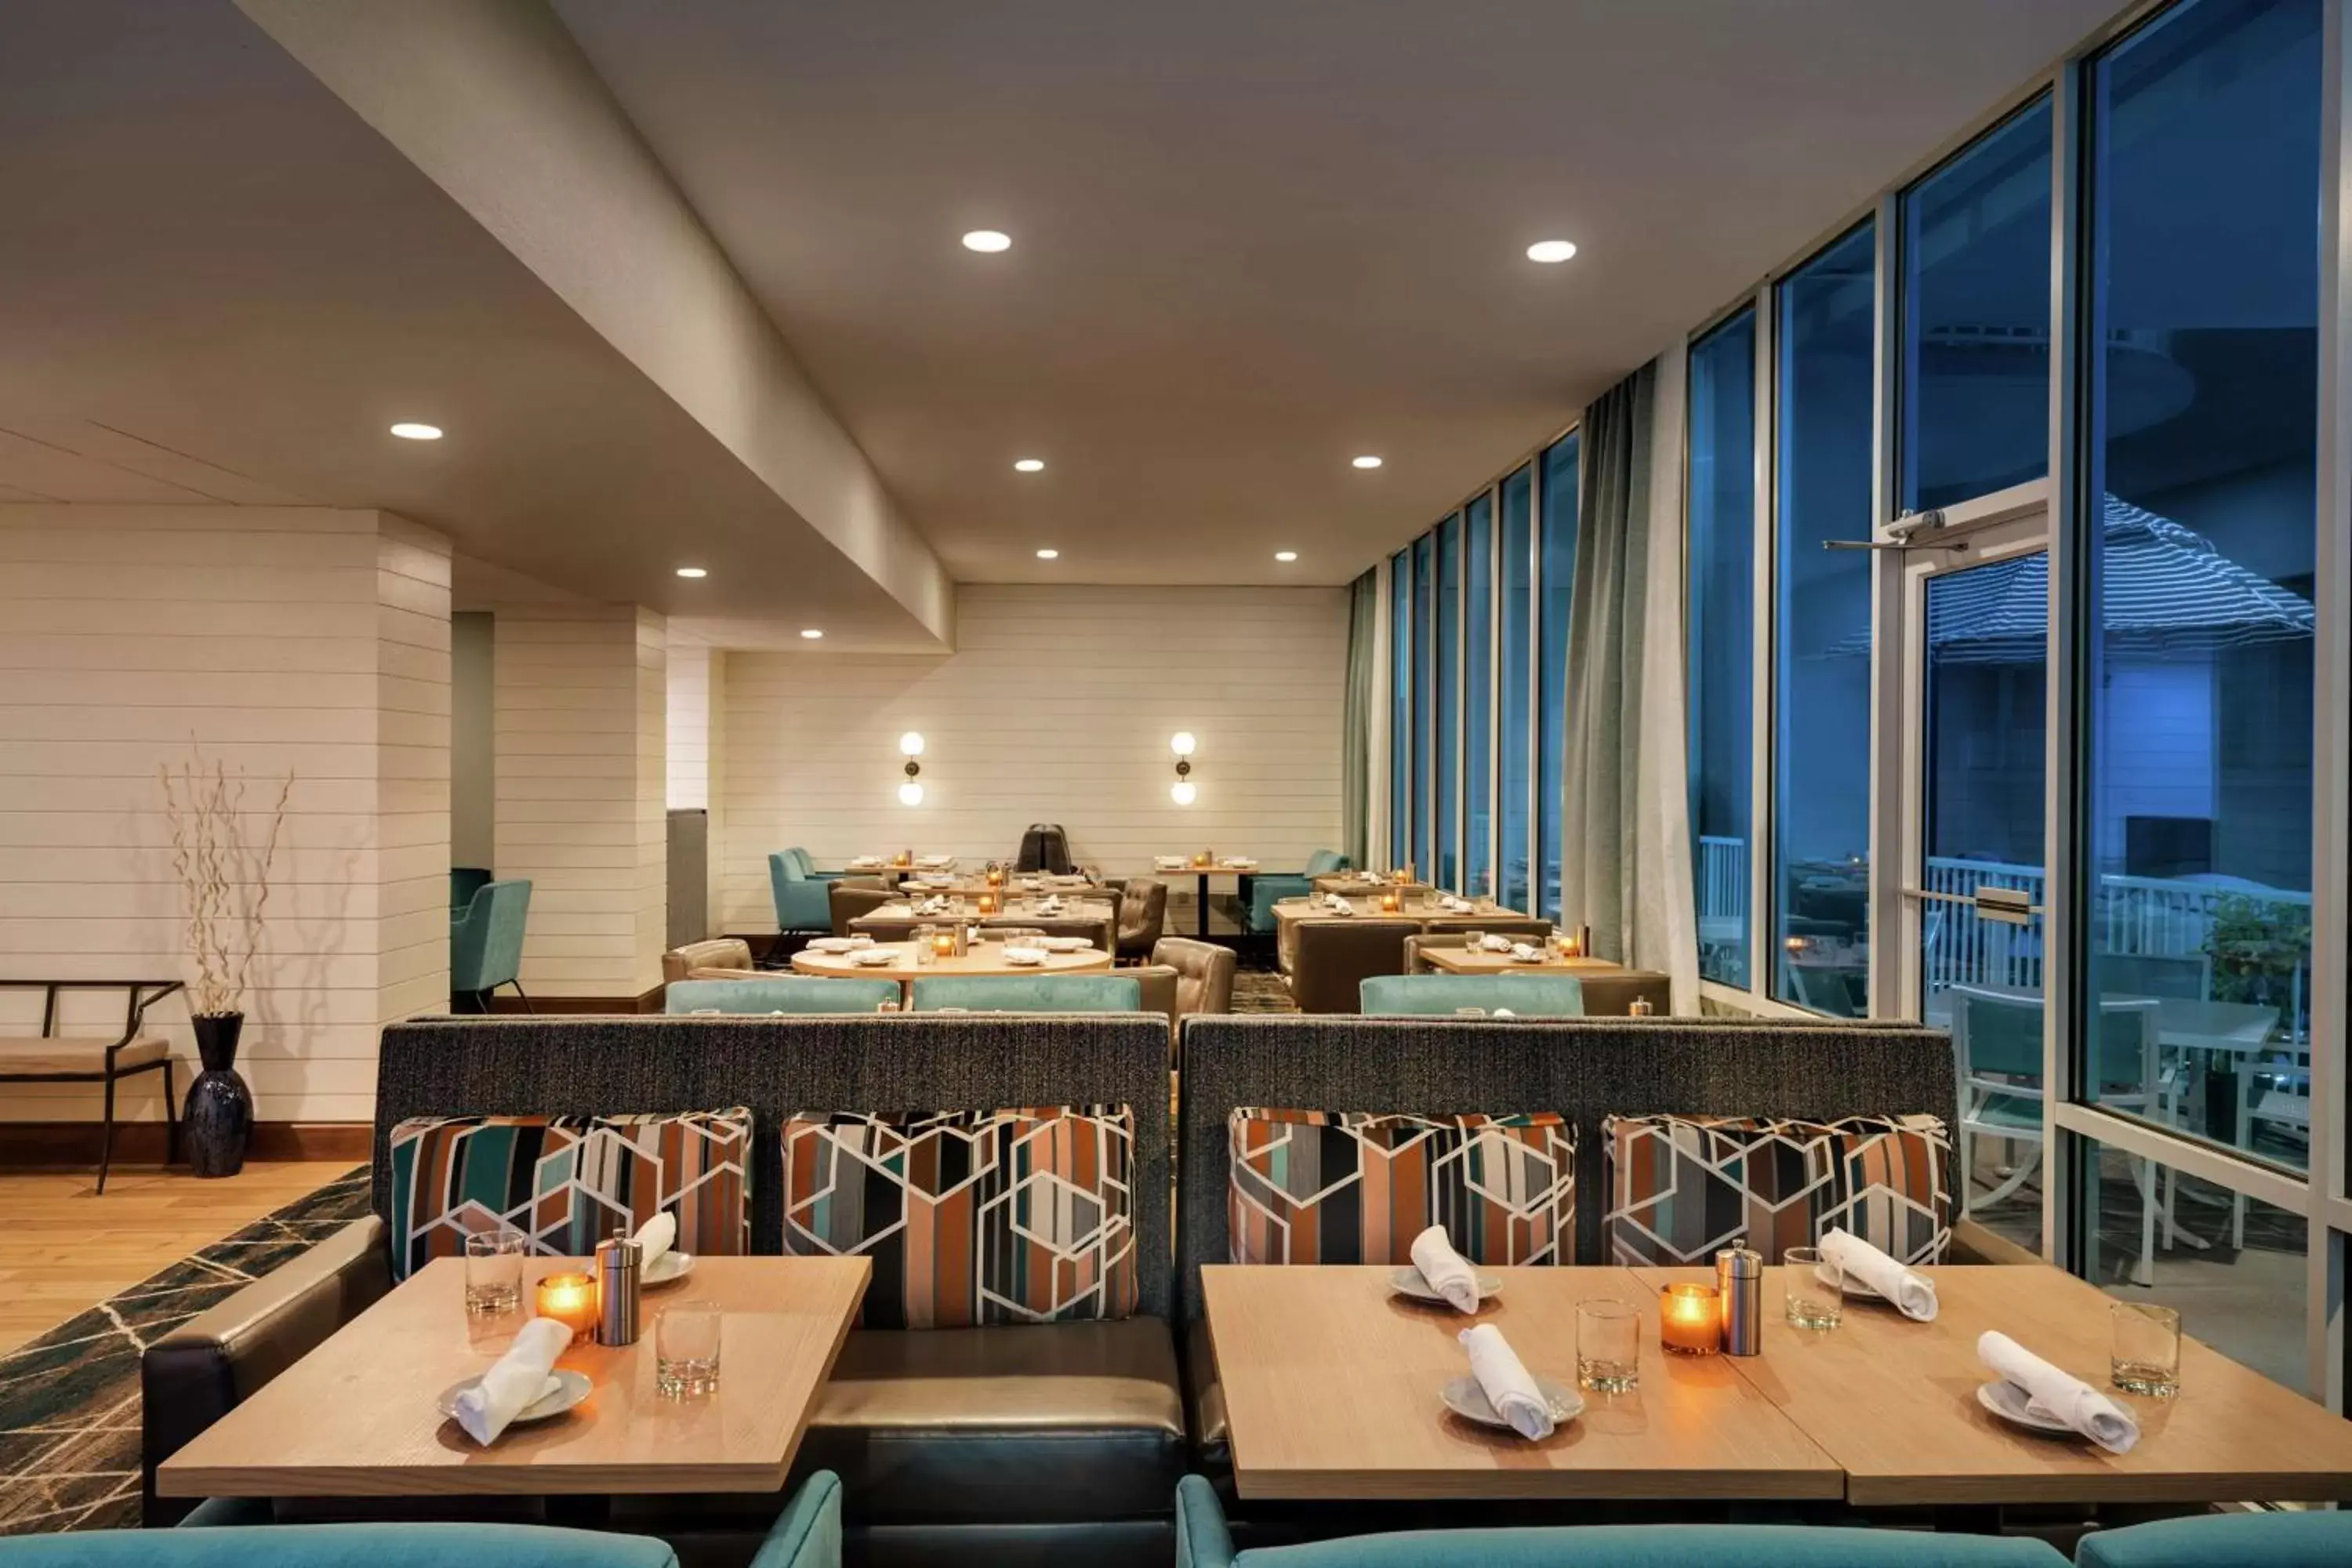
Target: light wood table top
[1893, 1402]
[1331, 1391]
[356, 1418]
[1352, 886]
[1475, 961]
[987, 958]
[1368, 908]
[1093, 910]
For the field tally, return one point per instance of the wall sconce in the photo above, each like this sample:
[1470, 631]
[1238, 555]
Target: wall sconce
[911, 746]
[1183, 792]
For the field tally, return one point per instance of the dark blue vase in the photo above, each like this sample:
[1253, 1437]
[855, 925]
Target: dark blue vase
[217, 1118]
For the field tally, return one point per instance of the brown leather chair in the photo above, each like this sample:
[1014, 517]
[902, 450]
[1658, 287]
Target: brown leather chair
[1142, 915]
[848, 900]
[1159, 987]
[1455, 936]
[1335, 956]
[720, 958]
[1204, 972]
[1285, 938]
[1610, 992]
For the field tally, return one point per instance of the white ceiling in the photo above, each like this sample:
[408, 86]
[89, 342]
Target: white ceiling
[1254, 239]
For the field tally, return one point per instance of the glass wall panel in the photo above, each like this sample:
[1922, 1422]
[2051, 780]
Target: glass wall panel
[1478, 695]
[1517, 579]
[1821, 631]
[1424, 688]
[1976, 317]
[1556, 586]
[1448, 741]
[2204, 190]
[1719, 616]
[1399, 703]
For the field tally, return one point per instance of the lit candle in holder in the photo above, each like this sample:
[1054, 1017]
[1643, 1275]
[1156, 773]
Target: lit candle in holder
[1569, 947]
[570, 1299]
[943, 945]
[1204, 859]
[1391, 903]
[996, 876]
[987, 904]
[1690, 1320]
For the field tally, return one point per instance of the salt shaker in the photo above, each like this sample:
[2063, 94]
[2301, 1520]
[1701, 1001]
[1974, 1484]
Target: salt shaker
[1740, 1286]
[617, 1287]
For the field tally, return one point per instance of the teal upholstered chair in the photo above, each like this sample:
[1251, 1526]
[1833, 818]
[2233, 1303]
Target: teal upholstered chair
[486, 942]
[1266, 891]
[1204, 1542]
[1028, 993]
[784, 993]
[802, 890]
[464, 881]
[2224, 1540]
[1532, 995]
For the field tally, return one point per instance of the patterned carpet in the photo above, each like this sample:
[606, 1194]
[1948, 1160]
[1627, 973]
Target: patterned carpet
[1260, 991]
[69, 1400]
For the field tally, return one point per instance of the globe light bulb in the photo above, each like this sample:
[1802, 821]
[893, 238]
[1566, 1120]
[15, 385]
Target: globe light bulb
[1181, 792]
[910, 793]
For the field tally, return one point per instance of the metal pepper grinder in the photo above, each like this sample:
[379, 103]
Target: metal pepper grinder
[1740, 1286]
[618, 1285]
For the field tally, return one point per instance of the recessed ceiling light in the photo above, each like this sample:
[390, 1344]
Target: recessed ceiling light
[1368, 462]
[1551, 250]
[1029, 465]
[1286, 556]
[692, 572]
[811, 633]
[1048, 555]
[987, 239]
[408, 430]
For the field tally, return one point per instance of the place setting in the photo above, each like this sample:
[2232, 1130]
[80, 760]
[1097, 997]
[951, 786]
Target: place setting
[1498, 1391]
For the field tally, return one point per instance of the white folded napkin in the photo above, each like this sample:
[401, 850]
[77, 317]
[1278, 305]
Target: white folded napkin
[1337, 905]
[1526, 953]
[518, 1378]
[1509, 1388]
[1502, 1013]
[1448, 1272]
[1913, 1295]
[2059, 1395]
[654, 1237]
[1496, 943]
[1025, 955]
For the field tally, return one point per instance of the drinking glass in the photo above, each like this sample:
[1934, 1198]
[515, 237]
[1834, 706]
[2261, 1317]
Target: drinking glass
[1608, 1345]
[923, 952]
[1474, 940]
[494, 1271]
[2144, 1355]
[686, 1349]
[1815, 1286]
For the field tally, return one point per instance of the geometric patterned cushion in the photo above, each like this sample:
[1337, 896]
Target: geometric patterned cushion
[569, 1181]
[971, 1217]
[1681, 1187]
[1320, 1186]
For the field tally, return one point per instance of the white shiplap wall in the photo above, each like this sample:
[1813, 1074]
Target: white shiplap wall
[279, 637]
[581, 792]
[1056, 706]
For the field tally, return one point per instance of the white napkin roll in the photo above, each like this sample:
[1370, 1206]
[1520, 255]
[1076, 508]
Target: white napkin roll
[1524, 951]
[1509, 1388]
[518, 1378]
[1495, 944]
[1448, 1272]
[2059, 1395]
[1913, 1295]
[654, 1237]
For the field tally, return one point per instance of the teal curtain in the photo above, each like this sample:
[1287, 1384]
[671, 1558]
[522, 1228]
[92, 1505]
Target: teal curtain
[1356, 724]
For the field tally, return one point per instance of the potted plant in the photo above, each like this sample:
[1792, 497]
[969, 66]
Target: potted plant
[223, 865]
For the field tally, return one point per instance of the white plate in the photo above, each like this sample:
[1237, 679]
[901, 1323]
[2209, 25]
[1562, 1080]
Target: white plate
[2008, 1402]
[1462, 1396]
[1526, 958]
[1023, 957]
[668, 1268]
[829, 945]
[874, 958]
[1407, 1281]
[571, 1388]
[1851, 1286]
[1065, 944]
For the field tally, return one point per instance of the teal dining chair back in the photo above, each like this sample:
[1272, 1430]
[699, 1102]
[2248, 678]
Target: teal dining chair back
[1027, 992]
[784, 993]
[803, 897]
[486, 942]
[1269, 891]
[1326, 863]
[2224, 1540]
[1424, 995]
[464, 881]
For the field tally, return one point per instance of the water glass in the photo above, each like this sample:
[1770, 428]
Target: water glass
[686, 1349]
[1474, 940]
[1815, 1286]
[924, 954]
[494, 1271]
[1608, 1345]
[2143, 1354]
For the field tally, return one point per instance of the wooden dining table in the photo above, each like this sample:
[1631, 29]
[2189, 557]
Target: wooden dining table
[1881, 1411]
[357, 1418]
[1482, 961]
[1368, 908]
[984, 958]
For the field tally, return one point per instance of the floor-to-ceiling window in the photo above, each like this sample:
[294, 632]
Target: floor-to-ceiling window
[1517, 580]
[1826, 337]
[1424, 686]
[1556, 586]
[1446, 784]
[1478, 695]
[1399, 705]
[1719, 621]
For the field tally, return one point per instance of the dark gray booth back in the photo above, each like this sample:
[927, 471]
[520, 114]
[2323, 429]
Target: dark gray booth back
[576, 1066]
[1582, 1068]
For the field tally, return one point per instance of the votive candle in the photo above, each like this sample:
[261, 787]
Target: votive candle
[987, 903]
[943, 945]
[1391, 903]
[1690, 1320]
[570, 1299]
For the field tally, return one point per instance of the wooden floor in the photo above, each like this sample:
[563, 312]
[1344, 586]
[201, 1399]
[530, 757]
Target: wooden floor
[68, 1249]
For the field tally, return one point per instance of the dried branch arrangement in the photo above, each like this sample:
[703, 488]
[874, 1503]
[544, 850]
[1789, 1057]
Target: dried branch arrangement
[223, 868]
